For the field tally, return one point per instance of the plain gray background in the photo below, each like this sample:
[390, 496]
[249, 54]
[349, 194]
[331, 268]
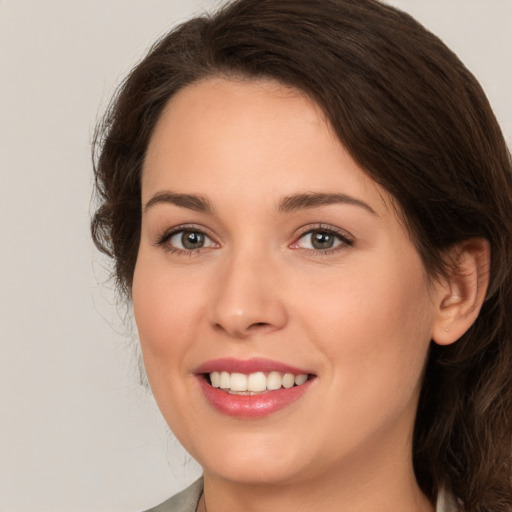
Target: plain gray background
[77, 430]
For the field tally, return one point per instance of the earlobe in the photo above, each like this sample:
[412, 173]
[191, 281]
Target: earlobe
[460, 294]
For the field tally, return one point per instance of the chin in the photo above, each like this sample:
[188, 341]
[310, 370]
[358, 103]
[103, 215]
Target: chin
[255, 472]
[254, 460]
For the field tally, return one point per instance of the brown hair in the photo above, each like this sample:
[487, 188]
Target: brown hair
[418, 122]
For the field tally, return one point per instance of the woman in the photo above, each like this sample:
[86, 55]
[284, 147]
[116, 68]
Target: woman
[309, 204]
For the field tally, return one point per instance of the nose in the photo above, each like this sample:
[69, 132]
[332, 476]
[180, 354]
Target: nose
[248, 299]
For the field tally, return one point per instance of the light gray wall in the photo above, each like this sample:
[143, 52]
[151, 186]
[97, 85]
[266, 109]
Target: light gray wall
[77, 431]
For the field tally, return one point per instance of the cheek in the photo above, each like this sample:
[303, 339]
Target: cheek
[374, 330]
[166, 309]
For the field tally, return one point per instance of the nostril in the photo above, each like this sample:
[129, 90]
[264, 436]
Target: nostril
[255, 319]
[258, 325]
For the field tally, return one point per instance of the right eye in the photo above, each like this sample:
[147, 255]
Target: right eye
[185, 240]
[188, 240]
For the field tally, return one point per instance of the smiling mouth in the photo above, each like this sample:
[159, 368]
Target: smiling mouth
[254, 383]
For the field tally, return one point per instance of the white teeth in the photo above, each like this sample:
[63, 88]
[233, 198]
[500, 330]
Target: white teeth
[288, 380]
[274, 380]
[238, 382]
[300, 379]
[225, 380]
[215, 378]
[255, 382]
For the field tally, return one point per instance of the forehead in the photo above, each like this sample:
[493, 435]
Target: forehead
[235, 134]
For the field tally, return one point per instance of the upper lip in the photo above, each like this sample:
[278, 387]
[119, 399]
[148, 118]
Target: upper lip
[247, 366]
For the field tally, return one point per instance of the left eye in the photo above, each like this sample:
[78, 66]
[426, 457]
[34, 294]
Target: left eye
[190, 240]
[320, 240]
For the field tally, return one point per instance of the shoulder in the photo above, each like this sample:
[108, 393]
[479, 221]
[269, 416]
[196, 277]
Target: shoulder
[185, 501]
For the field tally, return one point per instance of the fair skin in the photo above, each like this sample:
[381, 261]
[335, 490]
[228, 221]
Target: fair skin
[262, 238]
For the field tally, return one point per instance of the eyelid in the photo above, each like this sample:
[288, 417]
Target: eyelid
[166, 235]
[346, 238]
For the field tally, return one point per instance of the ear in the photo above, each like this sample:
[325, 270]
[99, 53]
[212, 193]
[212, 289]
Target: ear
[460, 295]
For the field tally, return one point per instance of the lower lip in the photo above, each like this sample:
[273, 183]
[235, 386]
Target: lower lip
[252, 406]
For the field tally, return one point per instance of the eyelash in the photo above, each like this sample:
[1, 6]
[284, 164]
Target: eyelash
[162, 240]
[343, 237]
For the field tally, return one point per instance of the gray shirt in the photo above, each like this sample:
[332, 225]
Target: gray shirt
[187, 500]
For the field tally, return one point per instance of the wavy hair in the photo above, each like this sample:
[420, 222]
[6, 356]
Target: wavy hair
[417, 121]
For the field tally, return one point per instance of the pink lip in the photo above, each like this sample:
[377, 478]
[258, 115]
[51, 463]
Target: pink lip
[247, 366]
[250, 406]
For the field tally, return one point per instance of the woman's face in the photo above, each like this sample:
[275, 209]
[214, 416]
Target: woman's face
[266, 250]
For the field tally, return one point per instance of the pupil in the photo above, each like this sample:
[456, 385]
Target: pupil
[322, 240]
[192, 240]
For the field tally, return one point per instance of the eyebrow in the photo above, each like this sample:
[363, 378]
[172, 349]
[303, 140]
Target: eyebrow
[286, 205]
[313, 200]
[191, 201]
